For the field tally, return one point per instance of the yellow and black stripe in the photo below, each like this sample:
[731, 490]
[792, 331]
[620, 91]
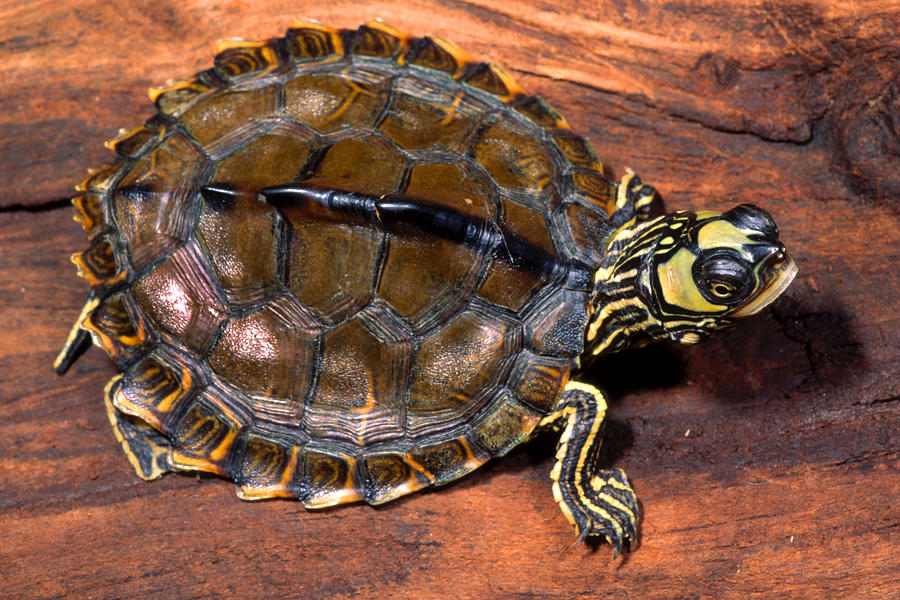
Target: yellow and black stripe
[682, 275]
[597, 502]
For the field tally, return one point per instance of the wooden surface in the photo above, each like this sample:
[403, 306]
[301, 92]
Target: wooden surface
[767, 460]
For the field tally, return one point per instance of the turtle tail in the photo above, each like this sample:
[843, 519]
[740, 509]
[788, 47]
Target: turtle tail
[97, 264]
[78, 342]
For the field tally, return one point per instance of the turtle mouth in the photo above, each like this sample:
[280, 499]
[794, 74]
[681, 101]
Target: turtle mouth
[780, 277]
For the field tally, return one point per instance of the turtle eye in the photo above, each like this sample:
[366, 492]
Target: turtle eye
[723, 278]
[720, 289]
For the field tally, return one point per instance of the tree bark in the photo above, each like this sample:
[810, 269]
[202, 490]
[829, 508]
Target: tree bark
[767, 460]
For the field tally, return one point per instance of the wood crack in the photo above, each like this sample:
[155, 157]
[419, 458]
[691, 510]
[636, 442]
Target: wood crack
[640, 100]
[36, 208]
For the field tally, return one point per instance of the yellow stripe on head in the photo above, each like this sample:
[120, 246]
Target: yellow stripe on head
[683, 275]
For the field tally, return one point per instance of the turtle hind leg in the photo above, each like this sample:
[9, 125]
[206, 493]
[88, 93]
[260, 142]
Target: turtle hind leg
[147, 449]
[598, 502]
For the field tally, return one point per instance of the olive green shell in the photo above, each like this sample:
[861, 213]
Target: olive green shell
[307, 354]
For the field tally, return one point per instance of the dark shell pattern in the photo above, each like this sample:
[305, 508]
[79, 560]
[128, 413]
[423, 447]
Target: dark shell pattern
[304, 352]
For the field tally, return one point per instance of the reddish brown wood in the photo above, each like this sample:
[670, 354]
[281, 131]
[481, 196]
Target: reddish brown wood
[767, 460]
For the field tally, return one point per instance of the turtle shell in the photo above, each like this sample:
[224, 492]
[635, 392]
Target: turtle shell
[304, 349]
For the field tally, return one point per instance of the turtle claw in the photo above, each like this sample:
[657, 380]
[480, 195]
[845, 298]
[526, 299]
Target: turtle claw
[617, 544]
[618, 541]
[609, 509]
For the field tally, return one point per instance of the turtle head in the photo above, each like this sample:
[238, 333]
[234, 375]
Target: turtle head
[683, 275]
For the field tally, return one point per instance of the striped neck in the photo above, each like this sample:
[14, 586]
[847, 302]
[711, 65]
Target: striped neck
[621, 316]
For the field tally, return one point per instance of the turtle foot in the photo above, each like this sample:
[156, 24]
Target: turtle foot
[607, 507]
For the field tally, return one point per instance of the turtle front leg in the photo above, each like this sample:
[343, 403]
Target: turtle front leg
[634, 200]
[596, 501]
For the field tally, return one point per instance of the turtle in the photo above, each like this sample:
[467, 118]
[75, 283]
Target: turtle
[346, 265]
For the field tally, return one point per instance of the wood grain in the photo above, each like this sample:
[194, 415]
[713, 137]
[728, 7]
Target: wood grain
[767, 460]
